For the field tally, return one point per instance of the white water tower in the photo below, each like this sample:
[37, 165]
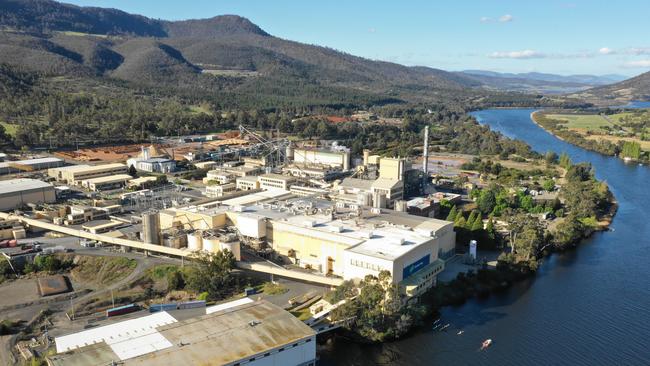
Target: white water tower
[472, 249]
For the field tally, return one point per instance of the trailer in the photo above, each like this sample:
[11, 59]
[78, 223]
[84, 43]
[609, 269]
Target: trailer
[120, 310]
[154, 308]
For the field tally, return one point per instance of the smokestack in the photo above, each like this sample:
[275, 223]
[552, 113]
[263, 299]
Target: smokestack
[425, 153]
[366, 157]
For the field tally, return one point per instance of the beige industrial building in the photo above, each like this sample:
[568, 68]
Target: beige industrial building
[106, 182]
[348, 242]
[142, 182]
[275, 181]
[17, 166]
[247, 183]
[77, 173]
[309, 156]
[219, 190]
[311, 171]
[16, 193]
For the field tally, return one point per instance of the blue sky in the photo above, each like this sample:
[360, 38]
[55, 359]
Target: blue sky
[565, 37]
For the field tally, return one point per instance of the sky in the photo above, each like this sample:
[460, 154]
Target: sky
[563, 36]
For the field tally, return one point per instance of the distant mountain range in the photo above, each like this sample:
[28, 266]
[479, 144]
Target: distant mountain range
[540, 82]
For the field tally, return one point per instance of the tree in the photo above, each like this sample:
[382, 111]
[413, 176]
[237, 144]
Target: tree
[477, 225]
[175, 280]
[551, 157]
[133, 171]
[565, 161]
[211, 273]
[453, 213]
[460, 221]
[471, 219]
[568, 232]
[486, 201]
[490, 230]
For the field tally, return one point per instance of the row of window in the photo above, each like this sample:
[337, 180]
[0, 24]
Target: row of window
[272, 352]
[428, 276]
[362, 264]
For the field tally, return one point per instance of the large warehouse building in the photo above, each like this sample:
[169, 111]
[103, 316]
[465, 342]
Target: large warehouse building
[75, 174]
[337, 159]
[9, 167]
[250, 333]
[16, 193]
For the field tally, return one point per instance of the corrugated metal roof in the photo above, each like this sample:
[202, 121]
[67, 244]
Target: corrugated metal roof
[127, 339]
[21, 185]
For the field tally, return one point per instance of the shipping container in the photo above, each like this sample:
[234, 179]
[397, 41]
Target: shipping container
[122, 310]
[162, 307]
[192, 304]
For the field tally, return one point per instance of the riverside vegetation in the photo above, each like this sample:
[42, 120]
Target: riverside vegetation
[610, 132]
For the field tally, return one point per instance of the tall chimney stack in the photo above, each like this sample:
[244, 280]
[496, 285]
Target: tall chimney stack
[425, 153]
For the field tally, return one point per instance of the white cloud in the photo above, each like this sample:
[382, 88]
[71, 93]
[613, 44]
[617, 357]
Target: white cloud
[506, 18]
[525, 54]
[638, 51]
[486, 19]
[606, 51]
[638, 64]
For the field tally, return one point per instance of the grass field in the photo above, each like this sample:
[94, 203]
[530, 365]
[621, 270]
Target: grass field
[10, 129]
[588, 122]
[197, 109]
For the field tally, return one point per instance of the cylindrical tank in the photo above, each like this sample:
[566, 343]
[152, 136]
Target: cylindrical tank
[195, 241]
[151, 228]
[364, 198]
[234, 247]
[211, 244]
[289, 152]
[366, 157]
[379, 200]
[346, 161]
[400, 205]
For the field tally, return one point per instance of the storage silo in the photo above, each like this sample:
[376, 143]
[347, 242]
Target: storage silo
[195, 241]
[379, 200]
[289, 152]
[231, 243]
[151, 227]
[211, 244]
[400, 205]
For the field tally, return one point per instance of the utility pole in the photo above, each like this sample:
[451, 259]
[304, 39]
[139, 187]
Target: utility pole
[72, 309]
[112, 298]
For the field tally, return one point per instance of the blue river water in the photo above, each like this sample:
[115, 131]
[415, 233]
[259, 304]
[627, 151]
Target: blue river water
[589, 306]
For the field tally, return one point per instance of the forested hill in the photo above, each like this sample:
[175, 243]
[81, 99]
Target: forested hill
[634, 89]
[70, 72]
[225, 53]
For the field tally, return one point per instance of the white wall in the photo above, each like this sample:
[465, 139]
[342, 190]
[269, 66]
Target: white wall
[290, 356]
[430, 247]
[355, 272]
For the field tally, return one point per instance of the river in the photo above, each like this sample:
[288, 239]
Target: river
[590, 306]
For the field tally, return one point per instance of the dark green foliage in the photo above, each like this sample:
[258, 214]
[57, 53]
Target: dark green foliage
[378, 312]
[453, 213]
[175, 280]
[212, 273]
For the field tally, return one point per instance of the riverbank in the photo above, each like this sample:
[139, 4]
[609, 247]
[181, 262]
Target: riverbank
[595, 143]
